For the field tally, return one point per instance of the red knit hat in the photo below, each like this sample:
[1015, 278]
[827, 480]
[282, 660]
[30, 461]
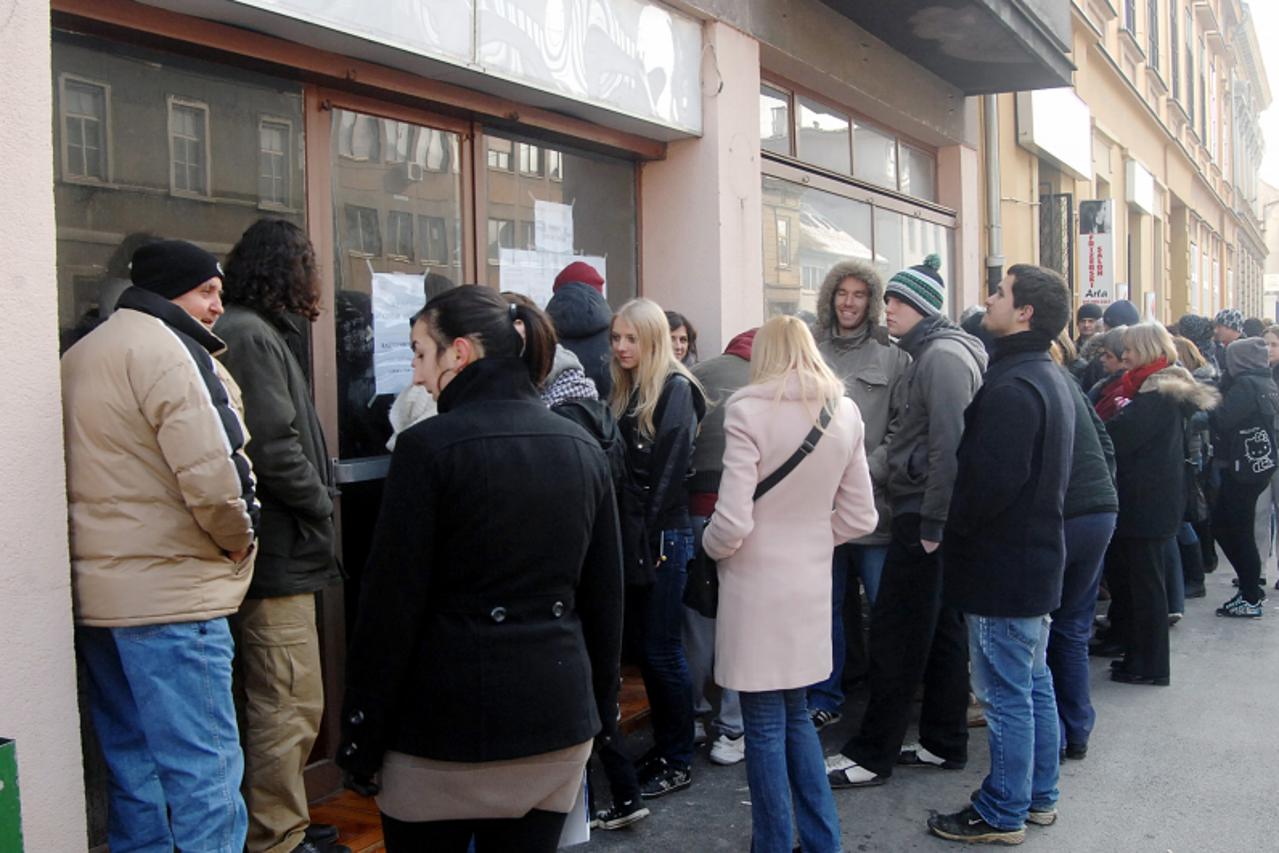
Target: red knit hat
[580, 272]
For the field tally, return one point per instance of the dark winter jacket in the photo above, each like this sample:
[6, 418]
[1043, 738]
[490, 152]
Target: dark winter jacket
[582, 316]
[1091, 488]
[295, 549]
[929, 404]
[721, 376]
[490, 616]
[871, 367]
[1149, 437]
[1004, 550]
[659, 466]
[1249, 398]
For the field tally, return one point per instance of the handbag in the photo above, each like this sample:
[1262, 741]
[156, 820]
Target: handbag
[701, 589]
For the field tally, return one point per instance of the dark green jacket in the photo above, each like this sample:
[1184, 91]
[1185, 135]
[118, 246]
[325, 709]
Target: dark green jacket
[290, 462]
[1091, 487]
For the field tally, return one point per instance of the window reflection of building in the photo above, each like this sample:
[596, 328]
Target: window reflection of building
[152, 142]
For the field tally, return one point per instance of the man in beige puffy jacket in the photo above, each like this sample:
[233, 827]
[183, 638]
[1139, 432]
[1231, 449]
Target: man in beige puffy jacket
[163, 521]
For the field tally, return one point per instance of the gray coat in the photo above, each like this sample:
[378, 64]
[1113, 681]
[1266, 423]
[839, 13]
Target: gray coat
[290, 462]
[871, 367]
[929, 403]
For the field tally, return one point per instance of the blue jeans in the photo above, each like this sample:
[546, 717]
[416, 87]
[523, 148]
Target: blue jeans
[867, 562]
[1012, 680]
[160, 700]
[784, 765]
[1086, 539]
[699, 651]
[665, 670]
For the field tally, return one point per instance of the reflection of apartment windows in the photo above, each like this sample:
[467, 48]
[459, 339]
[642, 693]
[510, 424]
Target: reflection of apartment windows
[435, 149]
[84, 129]
[188, 146]
[273, 162]
[362, 233]
[358, 136]
[528, 238]
[399, 234]
[554, 165]
[501, 236]
[499, 154]
[434, 242]
[810, 278]
[783, 242]
[397, 141]
[530, 159]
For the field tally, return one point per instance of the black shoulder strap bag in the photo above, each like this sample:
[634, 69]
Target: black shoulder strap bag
[701, 590]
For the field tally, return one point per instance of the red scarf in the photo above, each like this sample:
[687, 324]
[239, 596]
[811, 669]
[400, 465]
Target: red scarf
[1131, 383]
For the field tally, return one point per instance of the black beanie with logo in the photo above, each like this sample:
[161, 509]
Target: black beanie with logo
[170, 268]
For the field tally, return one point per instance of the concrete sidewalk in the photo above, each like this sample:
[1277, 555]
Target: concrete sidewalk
[1190, 767]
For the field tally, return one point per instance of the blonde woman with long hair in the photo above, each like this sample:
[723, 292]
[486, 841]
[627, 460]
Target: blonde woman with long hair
[772, 636]
[658, 405]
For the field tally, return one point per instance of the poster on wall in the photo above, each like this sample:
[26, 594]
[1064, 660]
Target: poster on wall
[396, 298]
[1097, 251]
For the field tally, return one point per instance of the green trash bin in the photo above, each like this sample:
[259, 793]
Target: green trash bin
[10, 813]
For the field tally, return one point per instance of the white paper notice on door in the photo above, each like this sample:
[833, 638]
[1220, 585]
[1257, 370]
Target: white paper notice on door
[533, 273]
[396, 298]
[552, 226]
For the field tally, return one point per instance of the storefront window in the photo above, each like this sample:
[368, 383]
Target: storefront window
[876, 156]
[397, 211]
[774, 120]
[152, 145]
[823, 137]
[560, 205]
[807, 230]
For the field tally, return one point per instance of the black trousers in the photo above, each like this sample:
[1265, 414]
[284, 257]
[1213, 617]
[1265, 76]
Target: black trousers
[1135, 572]
[1232, 525]
[913, 636]
[536, 832]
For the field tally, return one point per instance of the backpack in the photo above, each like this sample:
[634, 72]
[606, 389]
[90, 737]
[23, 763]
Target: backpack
[1253, 455]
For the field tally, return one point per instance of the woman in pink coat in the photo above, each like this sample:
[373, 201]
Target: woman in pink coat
[772, 637]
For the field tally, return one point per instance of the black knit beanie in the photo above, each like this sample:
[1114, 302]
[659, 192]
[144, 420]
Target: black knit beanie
[170, 268]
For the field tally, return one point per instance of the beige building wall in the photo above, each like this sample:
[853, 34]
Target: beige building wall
[1135, 118]
[38, 708]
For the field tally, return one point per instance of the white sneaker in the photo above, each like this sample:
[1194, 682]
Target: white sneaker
[728, 750]
[699, 733]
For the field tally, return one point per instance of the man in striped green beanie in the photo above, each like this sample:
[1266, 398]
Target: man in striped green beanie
[920, 286]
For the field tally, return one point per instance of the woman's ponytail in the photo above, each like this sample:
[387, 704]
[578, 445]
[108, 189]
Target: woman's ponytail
[478, 312]
[539, 336]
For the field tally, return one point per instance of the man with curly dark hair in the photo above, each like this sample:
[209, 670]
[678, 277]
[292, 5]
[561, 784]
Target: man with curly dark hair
[270, 290]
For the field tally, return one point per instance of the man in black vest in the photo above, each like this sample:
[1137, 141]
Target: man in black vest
[1004, 553]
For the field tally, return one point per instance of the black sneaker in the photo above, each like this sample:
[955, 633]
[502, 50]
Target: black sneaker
[970, 827]
[665, 779]
[620, 815]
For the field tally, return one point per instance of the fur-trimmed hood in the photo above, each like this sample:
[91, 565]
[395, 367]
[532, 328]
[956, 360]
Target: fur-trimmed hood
[1177, 384]
[859, 269]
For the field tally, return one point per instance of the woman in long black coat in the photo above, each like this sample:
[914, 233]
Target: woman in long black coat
[486, 650]
[1149, 437]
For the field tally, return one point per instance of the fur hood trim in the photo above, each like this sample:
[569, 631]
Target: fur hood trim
[1176, 383]
[856, 268]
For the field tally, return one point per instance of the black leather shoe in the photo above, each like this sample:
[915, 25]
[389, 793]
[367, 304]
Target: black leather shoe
[1105, 649]
[321, 833]
[1123, 676]
[1196, 591]
[1076, 751]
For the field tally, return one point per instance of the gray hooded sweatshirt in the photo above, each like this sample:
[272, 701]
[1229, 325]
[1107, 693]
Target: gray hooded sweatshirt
[929, 406]
[871, 368]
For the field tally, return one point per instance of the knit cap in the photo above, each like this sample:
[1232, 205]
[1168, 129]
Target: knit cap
[1231, 318]
[1088, 311]
[170, 268]
[1121, 312]
[579, 272]
[920, 286]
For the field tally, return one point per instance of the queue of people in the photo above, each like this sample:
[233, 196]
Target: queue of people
[981, 489]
